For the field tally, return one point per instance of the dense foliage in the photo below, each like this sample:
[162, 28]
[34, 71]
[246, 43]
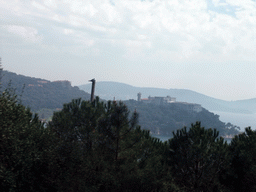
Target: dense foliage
[240, 175]
[101, 148]
[97, 146]
[197, 157]
[25, 148]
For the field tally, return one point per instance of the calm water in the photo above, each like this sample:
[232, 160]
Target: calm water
[239, 119]
[162, 138]
[165, 138]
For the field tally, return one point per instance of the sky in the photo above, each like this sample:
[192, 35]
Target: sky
[208, 46]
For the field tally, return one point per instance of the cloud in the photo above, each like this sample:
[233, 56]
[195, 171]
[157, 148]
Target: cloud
[179, 31]
[83, 8]
[51, 3]
[38, 6]
[28, 34]
[68, 31]
[178, 43]
[188, 26]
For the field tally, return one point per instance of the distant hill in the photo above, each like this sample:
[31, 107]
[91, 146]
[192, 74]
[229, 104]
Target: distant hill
[120, 91]
[44, 97]
[40, 93]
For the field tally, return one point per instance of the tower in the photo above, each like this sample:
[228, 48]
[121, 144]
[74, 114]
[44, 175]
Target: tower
[93, 89]
[139, 97]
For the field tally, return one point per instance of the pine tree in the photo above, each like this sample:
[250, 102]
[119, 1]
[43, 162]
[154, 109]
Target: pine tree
[241, 174]
[197, 157]
[96, 141]
[24, 148]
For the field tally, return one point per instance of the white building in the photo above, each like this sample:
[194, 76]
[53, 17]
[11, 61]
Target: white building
[171, 100]
[157, 100]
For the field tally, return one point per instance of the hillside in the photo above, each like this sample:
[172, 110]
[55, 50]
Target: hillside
[164, 119]
[40, 93]
[121, 91]
[44, 97]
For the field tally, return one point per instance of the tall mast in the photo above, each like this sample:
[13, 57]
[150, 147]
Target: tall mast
[93, 89]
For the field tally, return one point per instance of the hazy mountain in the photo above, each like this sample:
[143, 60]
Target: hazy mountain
[249, 104]
[120, 91]
[44, 97]
[40, 93]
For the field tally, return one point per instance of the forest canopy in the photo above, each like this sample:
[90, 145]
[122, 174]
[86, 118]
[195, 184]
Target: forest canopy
[99, 146]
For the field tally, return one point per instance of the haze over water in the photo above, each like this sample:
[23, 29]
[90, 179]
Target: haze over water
[239, 119]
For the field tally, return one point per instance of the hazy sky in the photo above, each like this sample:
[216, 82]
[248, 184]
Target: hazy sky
[208, 46]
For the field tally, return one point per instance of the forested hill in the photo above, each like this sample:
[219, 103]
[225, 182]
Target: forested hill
[40, 93]
[166, 118]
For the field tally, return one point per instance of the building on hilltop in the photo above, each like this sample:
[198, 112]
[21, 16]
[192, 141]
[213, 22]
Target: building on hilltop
[156, 100]
[171, 100]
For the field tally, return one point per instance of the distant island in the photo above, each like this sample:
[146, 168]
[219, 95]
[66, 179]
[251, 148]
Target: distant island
[163, 115]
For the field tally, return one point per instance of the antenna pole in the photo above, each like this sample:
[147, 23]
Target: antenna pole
[93, 89]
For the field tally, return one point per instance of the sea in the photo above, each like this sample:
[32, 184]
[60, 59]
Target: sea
[239, 119]
[166, 138]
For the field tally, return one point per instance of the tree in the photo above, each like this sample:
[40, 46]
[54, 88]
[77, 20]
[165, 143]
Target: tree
[97, 141]
[75, 127]
[100, 147]
[24, 148]
[196, 158]
[154, 171]
[241, 174]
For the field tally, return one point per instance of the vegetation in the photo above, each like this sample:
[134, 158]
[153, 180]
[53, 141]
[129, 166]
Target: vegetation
[98, 146]
[45, 97]
[25, 148]
[240, 175]
[164, 119]
[197, 157]
[40, 93]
